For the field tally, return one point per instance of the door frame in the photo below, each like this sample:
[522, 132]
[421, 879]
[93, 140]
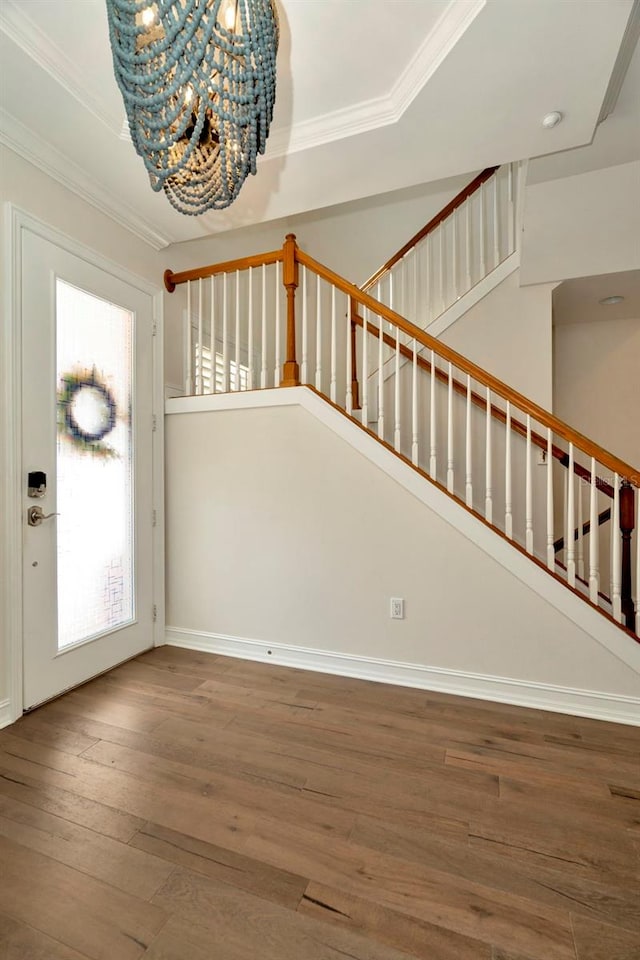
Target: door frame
[16, 221]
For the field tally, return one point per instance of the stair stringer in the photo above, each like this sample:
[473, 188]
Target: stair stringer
[617, 641]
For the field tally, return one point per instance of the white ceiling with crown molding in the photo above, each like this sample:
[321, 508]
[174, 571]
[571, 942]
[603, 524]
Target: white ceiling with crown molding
[373, 96]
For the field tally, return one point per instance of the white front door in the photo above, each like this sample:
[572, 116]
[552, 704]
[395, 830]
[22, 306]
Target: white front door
[87, 414]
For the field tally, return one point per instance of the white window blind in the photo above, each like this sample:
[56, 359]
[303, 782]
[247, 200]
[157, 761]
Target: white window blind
[203, 357]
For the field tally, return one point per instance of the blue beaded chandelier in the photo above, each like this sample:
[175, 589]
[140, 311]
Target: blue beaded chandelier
[198, 79]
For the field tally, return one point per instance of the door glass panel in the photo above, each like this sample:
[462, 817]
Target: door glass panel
[95, 575]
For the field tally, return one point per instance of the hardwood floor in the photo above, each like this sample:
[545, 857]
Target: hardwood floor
[192, 807]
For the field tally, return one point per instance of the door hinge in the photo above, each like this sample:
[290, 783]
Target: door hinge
[155, 613]
[154, 423]
[154, 329]
[154, 518]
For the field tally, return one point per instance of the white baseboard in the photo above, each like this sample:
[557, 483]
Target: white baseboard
[6, 714]
[522, 693]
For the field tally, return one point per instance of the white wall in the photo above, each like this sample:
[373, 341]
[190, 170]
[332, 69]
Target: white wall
[279, 530]
[354, 239]
[596, 382]
[581, 225]
[33, 191]
[508, 333]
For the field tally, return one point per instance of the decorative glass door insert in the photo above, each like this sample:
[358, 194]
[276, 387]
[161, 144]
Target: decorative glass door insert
[94, 460]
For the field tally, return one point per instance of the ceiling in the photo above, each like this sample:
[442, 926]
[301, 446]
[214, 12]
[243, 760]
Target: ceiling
[372, 96]
[578, 301]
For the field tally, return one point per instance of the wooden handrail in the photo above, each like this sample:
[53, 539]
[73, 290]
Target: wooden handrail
[496, 412]
[464, 194]
[538, 413]
[171, 280]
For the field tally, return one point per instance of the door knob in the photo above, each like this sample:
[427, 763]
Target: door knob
[35, 516]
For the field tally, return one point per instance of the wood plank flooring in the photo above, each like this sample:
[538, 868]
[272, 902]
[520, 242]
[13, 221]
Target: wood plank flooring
[193, 807]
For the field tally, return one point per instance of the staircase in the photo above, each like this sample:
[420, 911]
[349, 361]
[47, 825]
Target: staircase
[282, 319]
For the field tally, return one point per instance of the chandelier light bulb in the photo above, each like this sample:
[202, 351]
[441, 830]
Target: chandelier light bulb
[230, 16]
[148, 16]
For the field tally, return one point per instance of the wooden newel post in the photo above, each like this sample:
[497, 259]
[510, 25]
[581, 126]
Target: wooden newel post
[290, 369]
[627, 524]
[355, 393]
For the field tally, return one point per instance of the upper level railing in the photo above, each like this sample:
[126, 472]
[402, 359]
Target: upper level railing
[467, 431]
[465, 242]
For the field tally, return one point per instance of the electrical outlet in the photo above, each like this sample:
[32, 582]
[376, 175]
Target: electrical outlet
[396, 608]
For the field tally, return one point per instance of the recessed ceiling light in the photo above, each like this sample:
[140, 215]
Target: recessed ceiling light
[551, 120]
[608, 301]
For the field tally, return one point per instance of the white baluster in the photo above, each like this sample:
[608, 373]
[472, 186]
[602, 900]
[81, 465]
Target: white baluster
[580, 542]
[569, 534]
[551, 554]
[441, 266]
[334, 351]
[236, 372]
[638, 561]
[365, 368]
[488, 482]
[318, 333]
[450, 460]
[415, 286]
[380, 384]
[250, 343]
[225, 321]
[199, 371]
[511, 210]
[594, 538]
[496, 222]
[430, 272]
[468, 452]
[263, 370]
[454, 257]
[305, 331]
[528, 510]
[277, 369]
[564, 514]
[414, 406]
[616, 553]
[483, 260]
[349, 391]
[397, 431]
[467, 238]
[212, 324]
[391, 300]
[433, 423]
[188, 383]
[508, 495]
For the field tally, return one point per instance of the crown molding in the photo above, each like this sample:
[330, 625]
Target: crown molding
[21, 139]
[385, 110]
[23, 30]
[325, 128]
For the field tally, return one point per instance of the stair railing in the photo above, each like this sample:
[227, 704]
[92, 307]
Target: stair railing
[465, 242]
[459, 426]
